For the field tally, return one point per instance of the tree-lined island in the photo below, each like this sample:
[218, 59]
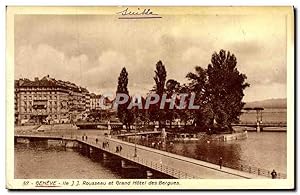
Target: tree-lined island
[219, 91]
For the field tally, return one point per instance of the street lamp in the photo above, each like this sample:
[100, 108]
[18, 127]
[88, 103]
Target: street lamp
[135, 130]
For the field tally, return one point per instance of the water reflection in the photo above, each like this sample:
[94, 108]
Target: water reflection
[210, 152]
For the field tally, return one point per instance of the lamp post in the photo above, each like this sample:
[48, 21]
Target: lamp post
[135, 130]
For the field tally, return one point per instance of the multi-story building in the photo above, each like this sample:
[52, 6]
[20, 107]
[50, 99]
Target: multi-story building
[95, 102]
[87, 99]
[49, 100]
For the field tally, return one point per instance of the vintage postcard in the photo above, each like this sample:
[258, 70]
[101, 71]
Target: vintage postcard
[150, 98]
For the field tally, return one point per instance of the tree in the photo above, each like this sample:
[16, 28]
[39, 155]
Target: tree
[160, 79]
[226, 87]
[123, 113]
[198, 85]
[219, 91]
[172, 88]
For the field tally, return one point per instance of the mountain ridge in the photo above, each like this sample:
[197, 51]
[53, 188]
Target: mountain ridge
[268, 103]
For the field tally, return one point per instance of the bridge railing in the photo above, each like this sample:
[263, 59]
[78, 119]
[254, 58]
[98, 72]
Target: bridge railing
[264, 123]
[248, 169]
[49, 134]
[160, 167]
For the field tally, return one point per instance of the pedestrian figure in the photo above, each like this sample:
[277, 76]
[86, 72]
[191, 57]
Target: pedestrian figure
[86, 138]
[103, 145]
[96, 140]
[221, 162]
[117, 149]
[274, 174]
[82, 138]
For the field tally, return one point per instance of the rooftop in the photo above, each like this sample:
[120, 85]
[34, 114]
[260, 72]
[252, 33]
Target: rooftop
[47, 81]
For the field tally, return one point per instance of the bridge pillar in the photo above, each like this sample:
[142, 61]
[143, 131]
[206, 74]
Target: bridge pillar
[123, 163]
[258, 127]
[97, 154]
[105, 156]
[85, 150]
[127, 165]
[149, 174]
[90, 151]
[70, 144]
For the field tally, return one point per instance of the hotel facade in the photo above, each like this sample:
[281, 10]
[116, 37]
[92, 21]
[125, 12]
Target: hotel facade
[48, 100]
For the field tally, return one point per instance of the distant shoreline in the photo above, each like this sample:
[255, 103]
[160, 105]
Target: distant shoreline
[278, 103]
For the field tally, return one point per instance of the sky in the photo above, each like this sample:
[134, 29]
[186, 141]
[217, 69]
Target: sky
[90, 50]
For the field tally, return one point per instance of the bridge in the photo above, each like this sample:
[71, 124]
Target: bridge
[144, 133]
[94, 125]
[265, 126]
[150, 159]
[119, 126]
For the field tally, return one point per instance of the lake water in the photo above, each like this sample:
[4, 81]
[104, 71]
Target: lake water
[41, 160]
[265, 150]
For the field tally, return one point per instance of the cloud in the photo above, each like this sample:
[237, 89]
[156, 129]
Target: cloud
[90, 50]
[45, 60]
[106, 70]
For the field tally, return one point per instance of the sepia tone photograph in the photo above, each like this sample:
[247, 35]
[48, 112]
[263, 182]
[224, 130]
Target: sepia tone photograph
[142, 97]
